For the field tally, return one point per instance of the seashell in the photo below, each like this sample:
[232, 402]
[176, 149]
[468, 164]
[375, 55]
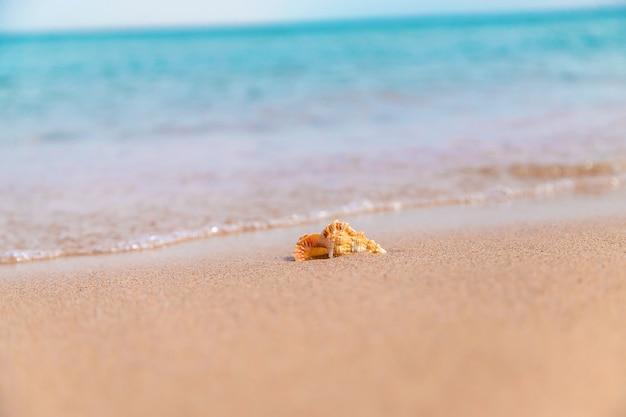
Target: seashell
[309, 247]
[337, 239]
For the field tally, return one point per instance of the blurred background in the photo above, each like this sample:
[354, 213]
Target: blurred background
[133, 124]
[47, 15]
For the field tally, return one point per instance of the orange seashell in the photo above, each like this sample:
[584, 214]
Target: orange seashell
[310, 247]
[337, 239]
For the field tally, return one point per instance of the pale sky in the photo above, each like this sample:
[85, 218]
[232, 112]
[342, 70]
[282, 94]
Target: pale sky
[43, 15]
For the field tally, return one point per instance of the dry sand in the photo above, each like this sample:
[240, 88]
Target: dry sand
[507, 320]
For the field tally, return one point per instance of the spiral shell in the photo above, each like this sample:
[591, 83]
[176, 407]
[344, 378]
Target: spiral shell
[309, 247]
[337, 239]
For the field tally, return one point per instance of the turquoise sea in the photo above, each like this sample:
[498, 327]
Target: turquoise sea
[127, 140]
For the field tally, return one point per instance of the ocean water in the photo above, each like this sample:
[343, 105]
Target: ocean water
[131, 140]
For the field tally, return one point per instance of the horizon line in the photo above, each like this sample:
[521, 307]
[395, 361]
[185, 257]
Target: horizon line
[304, 23]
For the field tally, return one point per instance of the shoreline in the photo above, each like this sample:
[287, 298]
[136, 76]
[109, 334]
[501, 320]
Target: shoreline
[489, 213]
[522, 314]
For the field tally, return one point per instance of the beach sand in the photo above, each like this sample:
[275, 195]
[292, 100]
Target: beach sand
[517, 318]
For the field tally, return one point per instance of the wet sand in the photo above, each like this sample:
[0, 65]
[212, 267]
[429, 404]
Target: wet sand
[523, 319]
